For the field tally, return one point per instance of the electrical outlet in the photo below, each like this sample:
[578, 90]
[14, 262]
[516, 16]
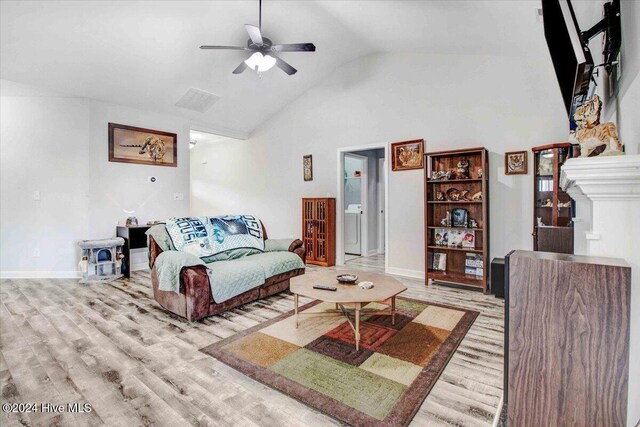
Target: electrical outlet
[36, 195]
[36, 252]
[178, 196]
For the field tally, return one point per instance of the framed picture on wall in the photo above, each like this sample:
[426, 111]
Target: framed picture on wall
[128, 144]
[515, 163]
[407, 155]
[307, 167]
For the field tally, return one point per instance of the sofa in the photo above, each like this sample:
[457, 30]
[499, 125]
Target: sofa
[194, 299]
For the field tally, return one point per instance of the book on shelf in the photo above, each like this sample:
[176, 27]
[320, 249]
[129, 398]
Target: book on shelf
[438, 261]
[473, 264]
[455, 238]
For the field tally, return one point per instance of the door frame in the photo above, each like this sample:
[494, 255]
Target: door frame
[381, 168]
[340, 198]
[364, 202]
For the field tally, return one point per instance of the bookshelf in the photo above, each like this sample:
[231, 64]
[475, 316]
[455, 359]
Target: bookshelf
[465, 245]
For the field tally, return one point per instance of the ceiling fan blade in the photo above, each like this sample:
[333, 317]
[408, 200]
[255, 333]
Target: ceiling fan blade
[254, 34]
[223, 47]
[294, 47]
[284, 66]
[240, 68]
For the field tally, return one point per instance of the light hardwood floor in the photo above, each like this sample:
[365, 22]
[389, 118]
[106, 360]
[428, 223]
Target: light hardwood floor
[113, 347]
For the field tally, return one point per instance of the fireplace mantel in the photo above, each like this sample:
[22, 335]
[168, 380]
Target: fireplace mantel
[607, 223]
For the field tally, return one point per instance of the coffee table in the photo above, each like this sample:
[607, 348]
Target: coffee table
[347, 297]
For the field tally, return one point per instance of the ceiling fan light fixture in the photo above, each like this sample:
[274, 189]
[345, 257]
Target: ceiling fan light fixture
[260, 63]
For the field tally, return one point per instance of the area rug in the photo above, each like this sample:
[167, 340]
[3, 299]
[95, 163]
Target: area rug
[382, 384]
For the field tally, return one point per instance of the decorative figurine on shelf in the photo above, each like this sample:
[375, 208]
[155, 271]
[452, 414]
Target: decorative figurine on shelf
[477, 197]
[547, 203]
[441, 175]
[446, 221]
[545, 166]
[473, 223]
[462, 170]
[480, 172]
[440, 196]
[539, 221]
[595, 138]
[564, 205]
[453, 194]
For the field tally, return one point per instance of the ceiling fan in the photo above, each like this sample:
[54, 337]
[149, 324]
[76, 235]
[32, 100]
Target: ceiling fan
[264, 51]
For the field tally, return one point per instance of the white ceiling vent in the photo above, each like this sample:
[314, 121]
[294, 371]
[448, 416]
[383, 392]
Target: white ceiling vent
[197, 100]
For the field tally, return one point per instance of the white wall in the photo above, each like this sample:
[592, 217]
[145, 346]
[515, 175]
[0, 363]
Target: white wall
[502, 103]
[59, 146]
[43, 147]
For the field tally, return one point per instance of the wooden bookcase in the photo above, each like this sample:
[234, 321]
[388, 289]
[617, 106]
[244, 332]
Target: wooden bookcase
[319, 230]
[436, 210]
[552, 207]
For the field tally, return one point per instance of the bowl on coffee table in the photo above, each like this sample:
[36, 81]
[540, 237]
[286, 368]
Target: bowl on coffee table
[347, 279]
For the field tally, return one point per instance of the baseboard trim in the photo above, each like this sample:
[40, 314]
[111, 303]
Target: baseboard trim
[40, 274]
[373, 252]
[404, 272]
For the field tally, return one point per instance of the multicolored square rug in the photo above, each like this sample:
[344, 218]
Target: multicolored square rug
[382, 384]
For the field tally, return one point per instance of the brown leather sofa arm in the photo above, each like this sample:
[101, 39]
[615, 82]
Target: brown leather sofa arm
[194, 283]
[297, 247]
[154, 251]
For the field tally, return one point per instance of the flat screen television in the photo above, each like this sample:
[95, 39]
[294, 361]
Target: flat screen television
[571, 57]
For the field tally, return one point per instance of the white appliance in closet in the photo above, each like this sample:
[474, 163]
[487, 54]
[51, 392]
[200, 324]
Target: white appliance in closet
[352, 225]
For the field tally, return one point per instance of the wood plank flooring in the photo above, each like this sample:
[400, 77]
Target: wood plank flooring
[113, 347]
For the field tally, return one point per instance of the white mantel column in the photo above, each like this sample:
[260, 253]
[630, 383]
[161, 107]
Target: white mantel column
[607, 195]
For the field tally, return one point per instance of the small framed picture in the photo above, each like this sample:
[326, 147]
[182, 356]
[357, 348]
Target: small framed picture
[407, 155]
[515, 163]
[307, 167]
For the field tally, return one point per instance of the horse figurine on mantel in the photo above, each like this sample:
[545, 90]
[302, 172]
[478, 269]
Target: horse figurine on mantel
[595, 138]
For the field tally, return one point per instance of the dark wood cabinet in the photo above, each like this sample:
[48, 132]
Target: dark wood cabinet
[466, 263]
[566, 340]
[134, 238]
[319, 230]
[553, 208]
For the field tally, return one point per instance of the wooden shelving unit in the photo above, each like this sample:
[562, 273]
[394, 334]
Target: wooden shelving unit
[319, 230]
[436, 210]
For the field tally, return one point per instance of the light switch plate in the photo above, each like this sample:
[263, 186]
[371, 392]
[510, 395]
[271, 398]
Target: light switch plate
[36, 195]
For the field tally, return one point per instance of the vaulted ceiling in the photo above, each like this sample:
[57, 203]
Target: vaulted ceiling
[145, 54]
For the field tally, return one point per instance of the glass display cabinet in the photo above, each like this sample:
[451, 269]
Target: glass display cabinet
[553, 209]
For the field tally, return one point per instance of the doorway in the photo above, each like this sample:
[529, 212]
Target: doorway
[361, 204]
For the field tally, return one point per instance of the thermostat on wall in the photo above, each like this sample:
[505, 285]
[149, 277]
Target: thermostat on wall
[152, 179]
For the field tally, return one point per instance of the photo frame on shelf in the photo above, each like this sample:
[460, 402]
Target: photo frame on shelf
[407, 155]
[129, 144]
[515, 163]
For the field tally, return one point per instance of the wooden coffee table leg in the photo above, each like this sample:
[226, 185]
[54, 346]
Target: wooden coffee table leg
[295, 307]
[393, 310]
[357, 326]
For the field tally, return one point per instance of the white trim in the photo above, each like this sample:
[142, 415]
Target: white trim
[364, 202]
[217, 130]
[373, 252]
[340, 198]
[405, 272]
[496, 418]
[380, 175]
[40, 274]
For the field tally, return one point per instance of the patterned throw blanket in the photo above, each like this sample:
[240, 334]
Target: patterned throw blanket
[210, 235]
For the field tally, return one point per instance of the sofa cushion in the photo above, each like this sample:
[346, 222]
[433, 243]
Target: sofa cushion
[274, 263]
[231, 278]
